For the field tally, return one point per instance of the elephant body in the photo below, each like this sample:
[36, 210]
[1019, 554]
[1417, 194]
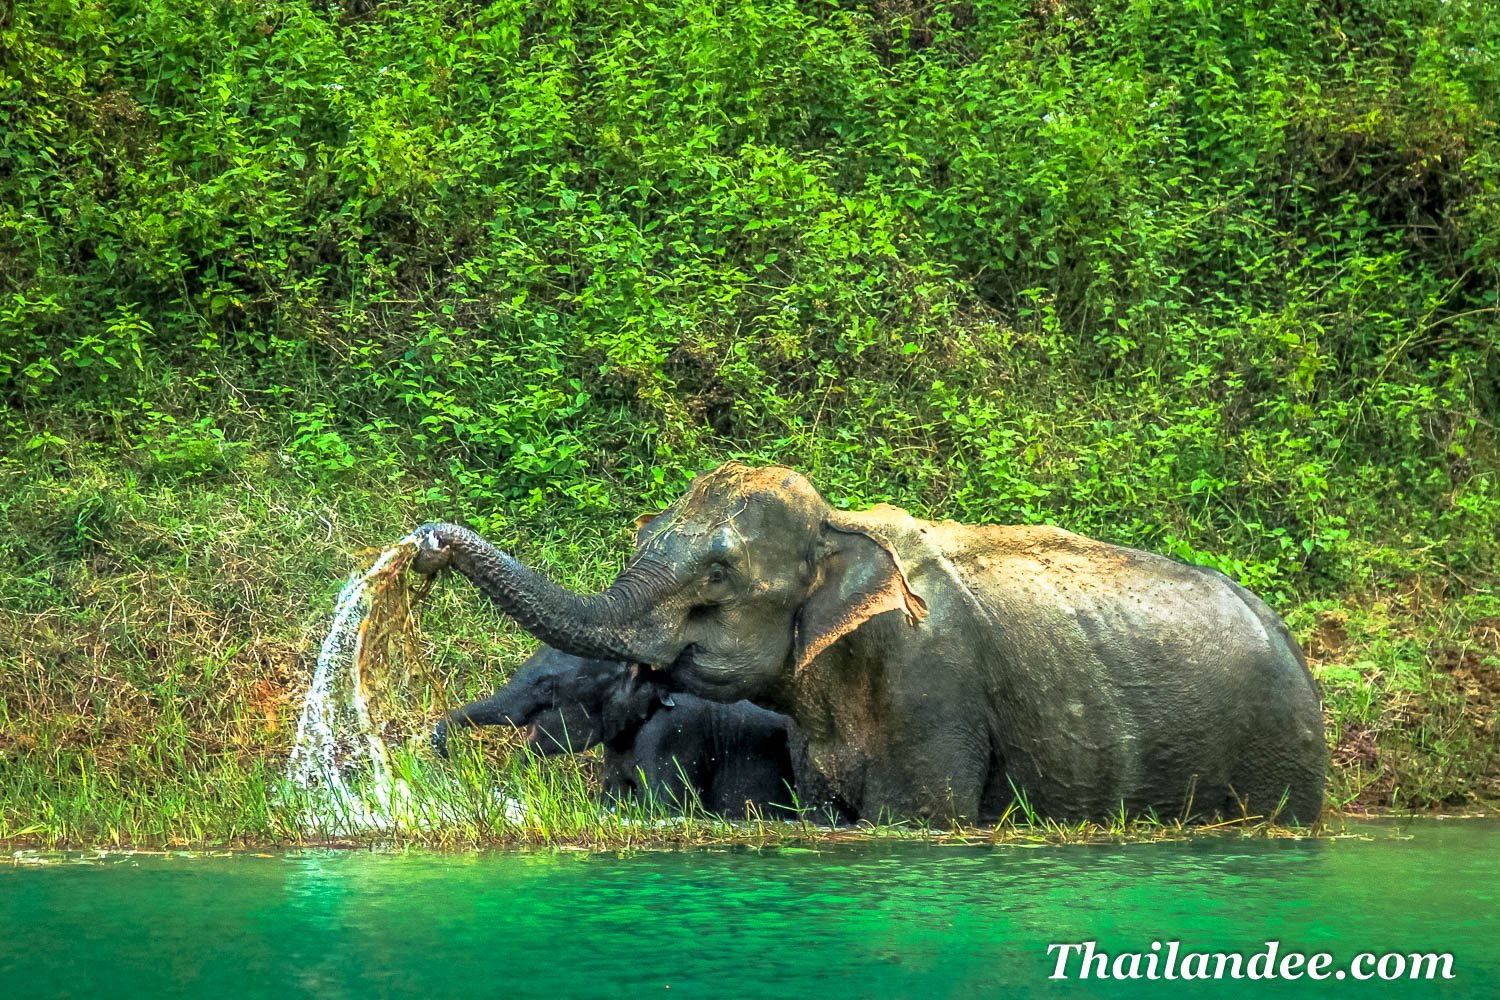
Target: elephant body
[945, 671]
[732, 758]
[674, 747]
[1103, 678]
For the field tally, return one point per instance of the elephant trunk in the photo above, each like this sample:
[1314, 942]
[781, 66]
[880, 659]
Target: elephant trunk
[597, 626]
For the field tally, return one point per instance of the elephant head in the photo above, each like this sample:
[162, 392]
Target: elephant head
[566, 703]
[738, 584]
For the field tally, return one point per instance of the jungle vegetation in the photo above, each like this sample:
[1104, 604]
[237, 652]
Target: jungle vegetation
[280, 279]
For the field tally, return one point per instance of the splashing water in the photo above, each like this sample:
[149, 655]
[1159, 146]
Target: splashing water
[339, 762]
[336, 703]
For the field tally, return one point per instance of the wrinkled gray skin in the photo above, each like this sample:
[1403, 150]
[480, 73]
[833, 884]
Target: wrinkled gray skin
[937, 668]
[682, 749]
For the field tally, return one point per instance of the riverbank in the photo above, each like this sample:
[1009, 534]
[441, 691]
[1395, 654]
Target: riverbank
[21, 852]
[154, 672]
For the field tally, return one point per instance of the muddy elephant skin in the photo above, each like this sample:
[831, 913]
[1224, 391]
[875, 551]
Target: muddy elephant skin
[943, 671]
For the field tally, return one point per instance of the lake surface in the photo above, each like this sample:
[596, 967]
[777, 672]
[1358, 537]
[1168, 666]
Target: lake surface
[875, 920]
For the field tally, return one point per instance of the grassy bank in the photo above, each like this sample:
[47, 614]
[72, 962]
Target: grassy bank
[152, 683]
[279, 281]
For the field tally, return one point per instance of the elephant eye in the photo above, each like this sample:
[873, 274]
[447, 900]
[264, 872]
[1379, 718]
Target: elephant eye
[717, 575]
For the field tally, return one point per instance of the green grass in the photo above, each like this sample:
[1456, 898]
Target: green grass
[458, 804]
[1411, 685]
[151, 684]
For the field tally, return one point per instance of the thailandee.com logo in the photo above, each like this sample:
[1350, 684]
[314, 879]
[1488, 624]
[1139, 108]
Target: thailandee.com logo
[1084, 960]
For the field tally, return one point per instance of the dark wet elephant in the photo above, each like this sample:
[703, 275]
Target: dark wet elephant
[679, 747]
[940, 670]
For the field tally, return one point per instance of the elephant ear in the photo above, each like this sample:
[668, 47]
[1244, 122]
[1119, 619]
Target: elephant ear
[642, 523]
[858, 576]
[628, 703]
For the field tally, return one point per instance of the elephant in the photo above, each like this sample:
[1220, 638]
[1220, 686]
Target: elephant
[679, 748]
[947, 672]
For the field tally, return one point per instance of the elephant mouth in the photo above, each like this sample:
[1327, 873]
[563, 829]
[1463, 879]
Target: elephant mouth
[544, 743]
[688, 674]
[686, 660]
[651, 674]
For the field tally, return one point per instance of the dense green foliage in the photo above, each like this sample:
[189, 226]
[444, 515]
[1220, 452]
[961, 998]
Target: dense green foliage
[1211, 277]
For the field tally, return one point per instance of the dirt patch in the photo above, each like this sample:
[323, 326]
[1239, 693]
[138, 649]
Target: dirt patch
[1485, 632]
[272, 672]
[1477, 676]
[1478, 680]
[1358, 756]
[1417, 717]
[1328, 637]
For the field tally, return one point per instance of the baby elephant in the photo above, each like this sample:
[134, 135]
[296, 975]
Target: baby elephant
[674, 745]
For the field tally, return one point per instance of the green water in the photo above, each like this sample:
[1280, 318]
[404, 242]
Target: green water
[884, 920]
